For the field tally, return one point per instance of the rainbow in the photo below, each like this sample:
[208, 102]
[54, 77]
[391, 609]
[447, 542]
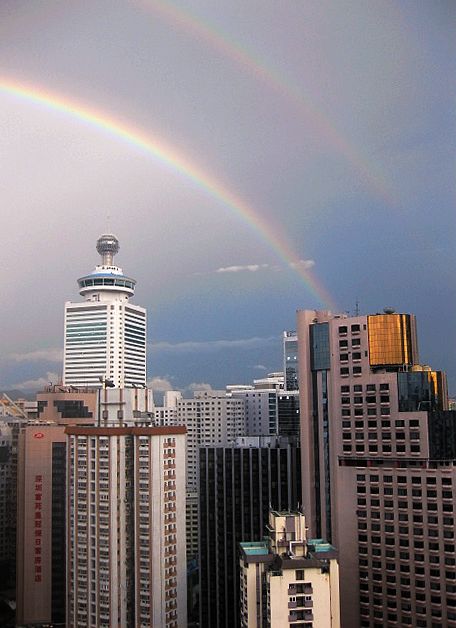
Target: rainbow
[249, 62]
[171, 158]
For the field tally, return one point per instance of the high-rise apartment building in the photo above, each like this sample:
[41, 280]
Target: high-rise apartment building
[105, 335]
[288, 579]
[378, 446]
[212, 418]
[126, 562]
[237, 487]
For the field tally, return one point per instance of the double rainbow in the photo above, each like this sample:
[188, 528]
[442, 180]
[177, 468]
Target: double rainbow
[167, 155]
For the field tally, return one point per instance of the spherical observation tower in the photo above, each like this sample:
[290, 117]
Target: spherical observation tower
[107, 281]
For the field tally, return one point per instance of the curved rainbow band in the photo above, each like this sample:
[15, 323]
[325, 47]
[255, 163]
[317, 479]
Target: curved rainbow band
[171, 158]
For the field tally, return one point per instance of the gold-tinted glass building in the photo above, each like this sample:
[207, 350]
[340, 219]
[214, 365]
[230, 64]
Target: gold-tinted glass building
[392, 340]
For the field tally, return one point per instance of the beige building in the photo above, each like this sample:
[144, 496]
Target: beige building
[126, 559]
[287, 579]
[40, 574]
[378, 445]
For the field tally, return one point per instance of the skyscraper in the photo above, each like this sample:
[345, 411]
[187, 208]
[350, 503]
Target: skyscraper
[238, 486]
[378, 445]
[105, 335]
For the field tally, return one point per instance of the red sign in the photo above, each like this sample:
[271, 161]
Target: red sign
[38, 435]
[38, 528]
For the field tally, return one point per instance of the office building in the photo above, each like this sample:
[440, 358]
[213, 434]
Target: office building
[290, 361]
[105, 335]
[287, 579]
[41, 490]
[40, 574]
[378, 447]
[126, 563]
[238, 486]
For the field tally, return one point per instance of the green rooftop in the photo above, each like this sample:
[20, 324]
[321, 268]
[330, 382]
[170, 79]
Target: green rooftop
[255, 548]
[319, 545]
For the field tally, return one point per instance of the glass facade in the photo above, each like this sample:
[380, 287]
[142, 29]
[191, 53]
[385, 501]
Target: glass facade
[238, 486]
[290, 351]
[422, 390]
[58, 532]
[392, 340]
[320, 356]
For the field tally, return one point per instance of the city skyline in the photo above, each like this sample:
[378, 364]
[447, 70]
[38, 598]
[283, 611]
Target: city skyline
[268, 141]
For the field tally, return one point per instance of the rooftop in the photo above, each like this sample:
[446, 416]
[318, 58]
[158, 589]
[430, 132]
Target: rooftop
[255, 548]
[319, 545]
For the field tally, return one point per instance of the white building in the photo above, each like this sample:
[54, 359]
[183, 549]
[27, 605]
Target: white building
[105, 335]
[126, 561]
[212, 418]
[289, 580]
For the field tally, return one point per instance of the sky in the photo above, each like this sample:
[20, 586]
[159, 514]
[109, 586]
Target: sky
[253, 158]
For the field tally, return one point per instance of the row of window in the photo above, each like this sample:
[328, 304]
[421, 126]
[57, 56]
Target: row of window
[345, 388]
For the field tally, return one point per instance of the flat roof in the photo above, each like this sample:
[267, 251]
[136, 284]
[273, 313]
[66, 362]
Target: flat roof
[255, 548]
[170, 430]
[319, 545]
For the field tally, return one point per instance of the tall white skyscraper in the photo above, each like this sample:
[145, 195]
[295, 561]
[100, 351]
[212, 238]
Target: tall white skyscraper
[105, 335]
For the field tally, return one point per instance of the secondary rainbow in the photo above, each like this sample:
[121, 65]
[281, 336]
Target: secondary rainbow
[251, 63]
[167, 155]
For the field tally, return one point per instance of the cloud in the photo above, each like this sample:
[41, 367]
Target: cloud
[37, 384]
[260, 367]
[207, 346]
[303, 264]
[41, 355]
[160, 384]
[252, 268]
[194, 386]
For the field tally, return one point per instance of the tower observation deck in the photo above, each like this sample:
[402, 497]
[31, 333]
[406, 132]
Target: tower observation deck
[107, 281]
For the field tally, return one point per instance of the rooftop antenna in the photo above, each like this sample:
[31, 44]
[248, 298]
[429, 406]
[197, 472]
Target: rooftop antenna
[357, 307]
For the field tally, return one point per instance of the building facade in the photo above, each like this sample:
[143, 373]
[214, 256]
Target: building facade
[212, 418]
[126, 559]
[378, 445]
[238, 486]
[105, 335]
[287, 579]
[41, 542]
